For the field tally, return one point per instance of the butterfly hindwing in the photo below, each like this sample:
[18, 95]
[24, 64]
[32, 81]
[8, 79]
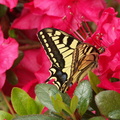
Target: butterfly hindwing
[84, 59]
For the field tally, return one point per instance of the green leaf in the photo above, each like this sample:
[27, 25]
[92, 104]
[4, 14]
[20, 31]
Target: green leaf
[114, 79]
[94, 81]
[84, 93]
[59, 105]
[58, 97]
[114, 114]
[37, 117]
[97, 118]
[65, 107]
[44, 93]
[12, 34]
[74, 103]
[3, 10]
[40, 106]
[11, 77]
[23, 104]
[3, 105]
[66, 98]
[19, 58]
[56, 102]
[5, 116]
[108, 101]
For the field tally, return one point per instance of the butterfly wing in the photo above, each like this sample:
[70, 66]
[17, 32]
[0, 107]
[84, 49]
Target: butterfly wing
[59, 47]
[84, 59]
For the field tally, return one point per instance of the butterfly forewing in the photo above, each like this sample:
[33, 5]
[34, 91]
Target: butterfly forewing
[59, 46]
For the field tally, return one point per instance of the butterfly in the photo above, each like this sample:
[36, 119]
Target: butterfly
[71, 59]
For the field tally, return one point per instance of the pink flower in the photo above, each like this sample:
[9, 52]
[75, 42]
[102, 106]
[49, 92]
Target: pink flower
[9, 3]
[118, 1]
[31, 18]
[108, 31]
[68, 14]
[32, 70]
[8, 53]
[90, 9]
[58, 14]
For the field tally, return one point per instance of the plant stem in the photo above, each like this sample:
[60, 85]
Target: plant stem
[73, 116]
[28, 47]
[9, 106]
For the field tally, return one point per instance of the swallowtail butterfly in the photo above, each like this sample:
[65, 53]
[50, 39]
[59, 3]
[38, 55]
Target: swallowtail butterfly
[71, 59]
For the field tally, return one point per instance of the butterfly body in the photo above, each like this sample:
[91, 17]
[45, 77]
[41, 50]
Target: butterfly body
[71, 59]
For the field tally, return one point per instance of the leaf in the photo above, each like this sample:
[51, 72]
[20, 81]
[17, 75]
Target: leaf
[66, 98]
[108, 101]
[84, 93]
[97, 118]
[11, 77]
[74, 103]
[5, 116]
[94, 81]
[23, 104]
[65, 107]
[58, 97]
[12, 34]
[37, 117]
[59, 105]
[19, 58]
[3, 10]
[40, 106]
[56, 103]
[114, 114]
[44, 93]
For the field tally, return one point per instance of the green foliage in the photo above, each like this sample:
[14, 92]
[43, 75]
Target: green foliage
[3, 10]
[84, 105]
[37, 117]
[44, 93]
[19, 58]
[40, 106]
[108, 102]
[11, 77]
[97, 118]
[94, 81]
[5, 116]
[23, 104]
[12, 33]
[74, 103]
[115, 114]
[84, 93]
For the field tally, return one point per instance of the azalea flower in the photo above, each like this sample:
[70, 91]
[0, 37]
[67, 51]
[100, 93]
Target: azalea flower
[56, 13]
[52, 13]
[107, 36]
[67, 15]
[8, 53]
[38, 15]
[32, 70]
[9, 3]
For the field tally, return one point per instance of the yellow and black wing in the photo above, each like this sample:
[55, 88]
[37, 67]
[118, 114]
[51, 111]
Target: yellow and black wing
[59, 47]
[71, 59]
[84, 59]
